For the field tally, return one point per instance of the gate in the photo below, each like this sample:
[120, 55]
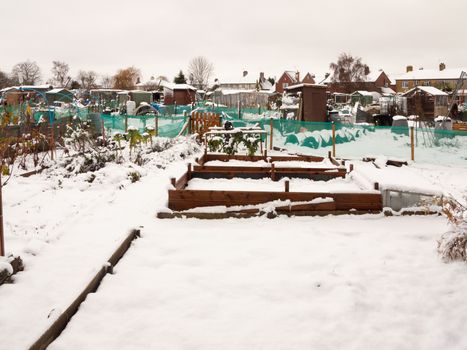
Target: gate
[200, 122]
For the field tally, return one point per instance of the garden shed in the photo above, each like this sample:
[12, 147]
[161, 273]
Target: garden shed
[312, 106]
[427, 102]
[364, 97]
[62, 95]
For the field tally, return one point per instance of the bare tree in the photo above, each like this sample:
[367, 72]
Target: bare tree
[60, 73]
[199, 72]
[4, 80]
[26, 72]
[107, 81]
[349, 70]
[87, 79]
[126, 79]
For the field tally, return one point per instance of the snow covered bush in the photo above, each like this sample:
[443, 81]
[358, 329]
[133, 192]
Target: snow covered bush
[453, 244]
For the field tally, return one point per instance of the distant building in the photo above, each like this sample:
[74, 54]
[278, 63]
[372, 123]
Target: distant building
[375, 81]
[442, 78]
[247, 82]
[312, 106]
[181, 94]
[426, 101]
[289, 78]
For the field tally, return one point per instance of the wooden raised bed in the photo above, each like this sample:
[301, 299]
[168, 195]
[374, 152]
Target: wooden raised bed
[181, 199]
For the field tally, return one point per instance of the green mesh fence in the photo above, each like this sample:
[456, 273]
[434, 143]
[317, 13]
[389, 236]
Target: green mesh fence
[166, 126]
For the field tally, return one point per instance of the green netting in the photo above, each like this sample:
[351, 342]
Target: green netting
[166, 126]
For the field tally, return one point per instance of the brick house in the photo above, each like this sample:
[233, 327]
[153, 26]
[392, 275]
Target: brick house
[289, 78]
[373, 82]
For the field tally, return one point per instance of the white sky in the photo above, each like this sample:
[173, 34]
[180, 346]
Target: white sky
[160, 37]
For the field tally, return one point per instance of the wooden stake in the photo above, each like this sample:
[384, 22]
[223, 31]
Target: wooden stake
[412, 145]
[52, 142]
[189, 172]
[333, 140]
[270, 136]
[351, 168]
[103, 131]
[173, 181]
[156, 125]
[126, 123]
[286, 184]
[273, 169]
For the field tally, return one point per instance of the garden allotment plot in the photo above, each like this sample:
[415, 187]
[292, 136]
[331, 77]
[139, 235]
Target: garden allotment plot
[225, 185]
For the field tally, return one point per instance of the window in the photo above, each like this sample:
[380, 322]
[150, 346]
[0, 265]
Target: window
[405, 84]
[426, 83]
[285, 85]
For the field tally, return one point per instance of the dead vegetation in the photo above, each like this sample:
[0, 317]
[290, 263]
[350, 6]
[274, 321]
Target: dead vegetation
[453, 244]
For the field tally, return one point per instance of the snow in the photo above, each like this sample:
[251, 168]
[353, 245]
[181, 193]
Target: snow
[324, 283]
[303, 282]
[337, 185]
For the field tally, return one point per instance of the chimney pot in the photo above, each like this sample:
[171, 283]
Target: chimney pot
[442, 66]
[409, 69]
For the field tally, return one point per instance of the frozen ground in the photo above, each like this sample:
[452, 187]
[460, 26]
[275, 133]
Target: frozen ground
[333, 282]
[314, 283]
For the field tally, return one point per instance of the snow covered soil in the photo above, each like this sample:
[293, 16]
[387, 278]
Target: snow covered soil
[337, 185]
[311, 283]
[326, 163]
[66, 225]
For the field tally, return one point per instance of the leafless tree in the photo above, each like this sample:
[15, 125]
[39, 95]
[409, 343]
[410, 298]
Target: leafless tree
[126, 79]
[87, 79]
[199, 72]
[27, 73]
[349, 70]
[4, 80]
[60, 73]
[107, 81]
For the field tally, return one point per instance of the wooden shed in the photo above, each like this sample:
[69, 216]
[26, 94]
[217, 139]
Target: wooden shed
[180, 94]
[427, 102]
[312, 106]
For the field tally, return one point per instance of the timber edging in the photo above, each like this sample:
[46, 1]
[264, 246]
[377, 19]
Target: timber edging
[54, 330]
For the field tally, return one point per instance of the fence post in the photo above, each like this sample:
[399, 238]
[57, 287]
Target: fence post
[52, 142]
[156, 125]
[412, 146]
[126, 123]
[103, 132]
[270, 136]
[287, 186]
[2, 240]
[333, 140]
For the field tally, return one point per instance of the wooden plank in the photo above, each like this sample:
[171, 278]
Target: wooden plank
[189, 199]
[225, 158]
[181, 183]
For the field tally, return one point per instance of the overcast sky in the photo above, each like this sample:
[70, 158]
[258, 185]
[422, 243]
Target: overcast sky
[160, 37]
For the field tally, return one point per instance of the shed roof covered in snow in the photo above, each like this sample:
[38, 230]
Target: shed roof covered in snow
[428, 89]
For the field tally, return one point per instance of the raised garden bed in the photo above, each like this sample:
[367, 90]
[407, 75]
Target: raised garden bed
[295, 195]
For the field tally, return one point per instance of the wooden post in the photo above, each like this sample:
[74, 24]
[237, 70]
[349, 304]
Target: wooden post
[287, 185]
[2, 240]
[333, 139]
[273, 169]
[329, 154]
[351, 168]
[189, 172]
[103, 131]
[52, 142]
[156, 125]
[376, 186]
[270, 136]
[126, 123]
[412, 146]
[173, 181]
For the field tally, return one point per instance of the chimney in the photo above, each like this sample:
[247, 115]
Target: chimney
[297, 76]
[245, 73]
[409, 69]
[442, 66]
[261, 76]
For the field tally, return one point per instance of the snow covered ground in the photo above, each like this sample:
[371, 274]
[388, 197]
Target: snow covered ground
[450, 152]
[314, 283]
[333, 282]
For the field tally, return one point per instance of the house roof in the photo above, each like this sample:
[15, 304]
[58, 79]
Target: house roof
[173, 86]
[302, 85]
[363, 93]
[435, 74]
[58, 91]
[428, 89]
